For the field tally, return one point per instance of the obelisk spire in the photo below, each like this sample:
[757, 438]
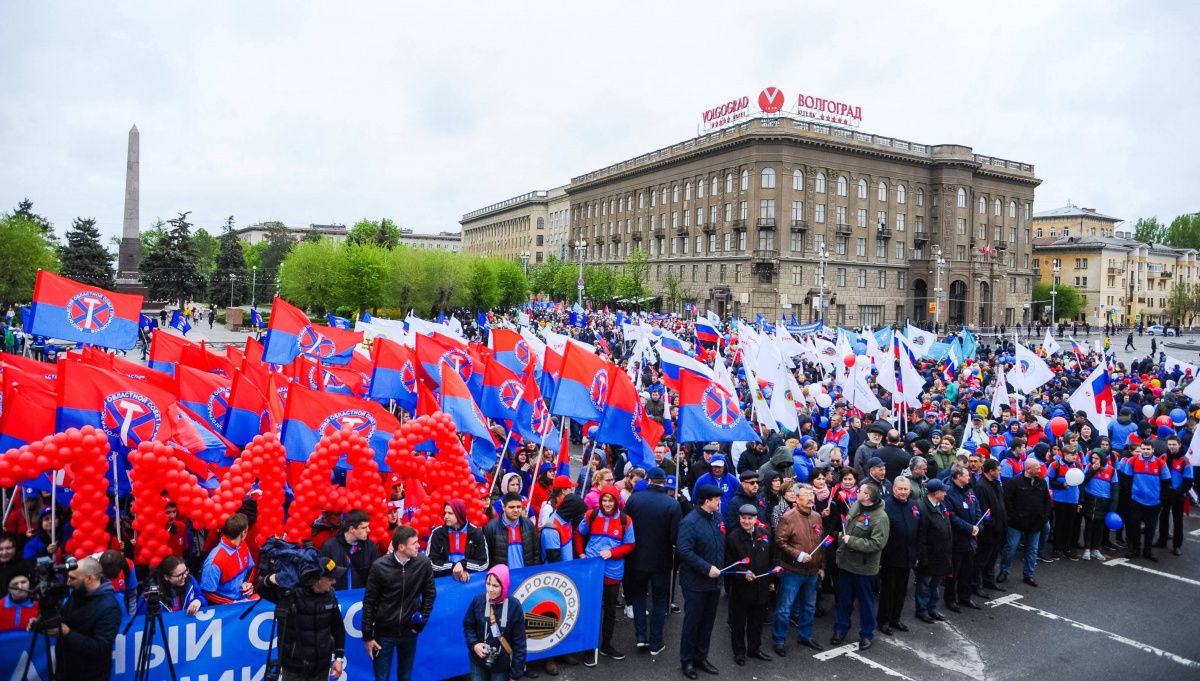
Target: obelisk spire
[129, 256]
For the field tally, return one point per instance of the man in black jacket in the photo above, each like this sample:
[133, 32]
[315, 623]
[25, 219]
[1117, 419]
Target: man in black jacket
[511, 538]
[964, 519]
[655, 517]
[895, 459]
[457, 547]
[935, 543]
[994, 532]
[312, 635]
[701, 549]
[352, 549]
[1027, 502]
[749, 585]
[397, 604]
[747, 495]
[90, 620]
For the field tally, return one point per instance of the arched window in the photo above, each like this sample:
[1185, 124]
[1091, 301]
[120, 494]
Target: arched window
[881, 192]
[621, 204]
[797, 180]
[745, 180]
[820, 183]
[982, 206]
[699, 189]
[920, 196]
[716, 186]
[996, 208]
[728, 182]
[663, 200]
[674, 193]
[843, 187]
[687, 192]
[1012, 209]
[768, 178]
[862, 189]
[962, 197]
[901, 194]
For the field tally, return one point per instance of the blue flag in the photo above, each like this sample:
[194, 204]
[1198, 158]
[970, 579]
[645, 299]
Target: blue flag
[256, 319]
[365, 317]
[179, 321]
[338, 322]
[968, 344]
[481, 320]
[26, 315]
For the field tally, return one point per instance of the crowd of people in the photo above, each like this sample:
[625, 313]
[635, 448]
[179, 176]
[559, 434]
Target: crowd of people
[847, 514]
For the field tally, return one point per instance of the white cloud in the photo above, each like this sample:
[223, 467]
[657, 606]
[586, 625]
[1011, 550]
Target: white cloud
[314, 113]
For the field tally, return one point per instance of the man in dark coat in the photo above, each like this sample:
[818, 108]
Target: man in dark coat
[456, 547]
[701, 548]
[899, 555]
[747, 495]
[90, 621]
[749, 585]
[655, 517]
[994, 530]
[352, 549]
[964, 518]
[1027, 502]
[935, 543]
[895, 459]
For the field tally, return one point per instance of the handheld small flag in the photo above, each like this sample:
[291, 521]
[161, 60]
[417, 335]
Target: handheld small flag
[828, 540]
[986, 514]
[744, 561]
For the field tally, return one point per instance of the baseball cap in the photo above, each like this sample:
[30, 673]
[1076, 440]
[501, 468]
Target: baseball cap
[331, 569]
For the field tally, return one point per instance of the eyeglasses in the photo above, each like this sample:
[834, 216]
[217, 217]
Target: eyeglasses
[181, 575]
[751, 482]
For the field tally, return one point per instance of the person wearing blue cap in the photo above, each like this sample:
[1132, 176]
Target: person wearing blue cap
[718, 477]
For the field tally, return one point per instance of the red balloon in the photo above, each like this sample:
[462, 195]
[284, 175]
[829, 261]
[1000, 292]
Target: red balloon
[1058, 426]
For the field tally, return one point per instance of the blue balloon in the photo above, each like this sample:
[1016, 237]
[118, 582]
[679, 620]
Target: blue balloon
[1114, 521]
[1178, 416]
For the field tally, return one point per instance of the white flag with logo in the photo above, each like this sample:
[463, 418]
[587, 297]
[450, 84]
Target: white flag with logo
[1000, 396]
[1031, 371]
[921, 341]
[1052, 347]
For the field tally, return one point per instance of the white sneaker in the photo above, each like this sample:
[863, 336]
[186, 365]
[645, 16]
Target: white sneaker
[629, 612]
[1087, 554]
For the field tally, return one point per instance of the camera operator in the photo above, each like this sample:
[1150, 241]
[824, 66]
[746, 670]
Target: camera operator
[91, 618]
[18, 607]
[494, 629]
[312, 635]
[178, 589]
[396, 606]
[352, 549]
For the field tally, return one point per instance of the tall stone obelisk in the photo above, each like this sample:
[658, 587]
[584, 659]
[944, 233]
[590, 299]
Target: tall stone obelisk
[129, 255]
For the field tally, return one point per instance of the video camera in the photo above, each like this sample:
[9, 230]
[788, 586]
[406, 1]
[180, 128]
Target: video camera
[49, 591]
[293, 565]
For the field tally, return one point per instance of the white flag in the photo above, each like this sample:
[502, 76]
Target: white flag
[858, 393]
[1000, 396]
[921, 341]
[1052, 347]
[912, 380]
[1032, 372]
[1094, 398]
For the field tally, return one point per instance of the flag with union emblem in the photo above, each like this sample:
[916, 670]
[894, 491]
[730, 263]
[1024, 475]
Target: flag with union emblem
[70, 310]
[291, 334]
[708, 412]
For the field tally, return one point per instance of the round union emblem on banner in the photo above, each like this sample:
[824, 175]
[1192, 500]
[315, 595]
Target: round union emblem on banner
[523, 353]
[131, 417]
[720, 407]
[349, 419]
[510, 393]
[541, 421]
[408, 376]
[599, 389]
[218, 405]
[314, 344]
[90, 311]
[551, 604]
[459, 361]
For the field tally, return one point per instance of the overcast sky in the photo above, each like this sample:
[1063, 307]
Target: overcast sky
[419, 112]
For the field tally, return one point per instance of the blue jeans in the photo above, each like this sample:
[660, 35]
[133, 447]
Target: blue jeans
[404, 647]
[850, 588]
[636, 587]
[480, 674]
[1044, 541]
[796, 592]
[1031, 540]
[929, 589]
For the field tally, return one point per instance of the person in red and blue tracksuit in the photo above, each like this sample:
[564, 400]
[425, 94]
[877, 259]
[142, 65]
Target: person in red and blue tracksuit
[607, 532]
[1101, 490]
[226, 576]
[1146, 475]
[18, 607]
[1066, 503]
[1177, 465]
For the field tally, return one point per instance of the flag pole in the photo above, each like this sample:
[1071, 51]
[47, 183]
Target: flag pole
[116, 500]
[53, 508]
[500, 460]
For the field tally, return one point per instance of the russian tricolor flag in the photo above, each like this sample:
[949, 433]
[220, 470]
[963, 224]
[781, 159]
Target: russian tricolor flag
[707, 332]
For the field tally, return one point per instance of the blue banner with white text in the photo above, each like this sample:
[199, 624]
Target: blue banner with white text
[561, 604]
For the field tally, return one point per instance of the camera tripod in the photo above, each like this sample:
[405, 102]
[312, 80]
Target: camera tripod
[152, 623]
[45, 639]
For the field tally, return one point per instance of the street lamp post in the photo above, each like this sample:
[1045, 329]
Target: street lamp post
[253, 285]
[939, 264]
[231, 289]
[580, 251]
[823, 260]
[525, 261]
[1053, 295]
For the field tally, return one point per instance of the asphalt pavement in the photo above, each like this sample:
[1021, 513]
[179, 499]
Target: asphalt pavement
[1086, 621]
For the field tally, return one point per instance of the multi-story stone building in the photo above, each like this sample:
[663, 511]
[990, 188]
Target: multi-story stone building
[442, 241]
[558, 232]
[740, 219]
[255, 233]
[1071, 220]
[514, 228]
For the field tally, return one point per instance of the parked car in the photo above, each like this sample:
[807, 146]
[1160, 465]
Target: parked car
[1157, 330]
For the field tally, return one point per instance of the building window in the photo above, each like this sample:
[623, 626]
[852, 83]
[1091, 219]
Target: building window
[841, 215]
[881, 249]
[839, 245]
[699, 216]
[960, 252]
[881, 218]
[721, 272]
[996, 208]
[882, 278]
[819, 213]
[687, 192]
[768, 178]
[664, 196]
[818, 243]
[962, 197]
[684, 241]
[881, 194]
[712, 243]
[641, 200]
[766, 209]
[797, 180]
[653, 222]
[899, 250]
[728, 212]
[899, 222]
[712, 214]
[862, 189]
[728, 182]
[842, 185]
[797, 275]
[862, 278]
[742, 212]
[674, 245]
[962, 226]
[728, 242]
[699, 244]
[716, 187]
[674, 219]
[797, 242]
[708, 273]
[901, 194]
[687, 218]
[742, 240]
[1012, 213]
[1012, 284]
[653, 198]
[737, 274]
[920, 197]
[901, 280]
[745, 183]
[820, 183]
[766, 240]
[841, 276]
[674, 193]
[699, 189]
[982, 206]
[860, 247]
[797, 210]
[862, 217]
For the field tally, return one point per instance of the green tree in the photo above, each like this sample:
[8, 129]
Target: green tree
[481, 292]
[361, 277]
[150, 237]
[1149, 231]
[599, 284]
[445, 280]
[26, 250]
[1181, 302]
[408, 273]
[229, 280]
[565, 285]
[1068, 303]
[542, 277]
[206, 246]
[308, 276]
[674, 292]
[84, 257]
[169, 270]
[382, 232]
[25, 210]
[279, 242]
[511, 284]
[1184, 232]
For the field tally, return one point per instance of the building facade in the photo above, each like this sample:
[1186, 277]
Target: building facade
[515, 228]
[558, 232]
[442, 241]
[753, 218]
[1122, 281]
[1071, 220]
[255, 233]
